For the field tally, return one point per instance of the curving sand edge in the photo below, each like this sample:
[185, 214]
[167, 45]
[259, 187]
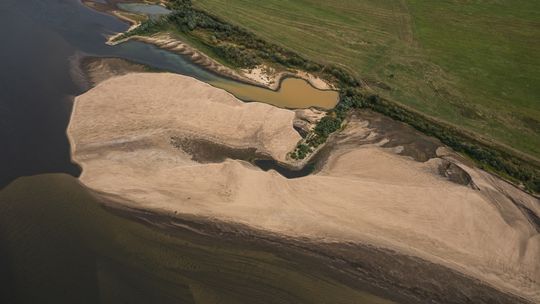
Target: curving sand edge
[120, 134]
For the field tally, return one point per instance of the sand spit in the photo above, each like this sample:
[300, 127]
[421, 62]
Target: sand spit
[121, 133]
[167, 42]
[260, 76]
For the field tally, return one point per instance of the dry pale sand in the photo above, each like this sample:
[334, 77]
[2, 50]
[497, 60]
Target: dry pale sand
[120, 134]
[271, 79]
[167, 42]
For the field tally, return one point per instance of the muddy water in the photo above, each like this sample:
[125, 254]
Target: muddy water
[205, 151]
[43, 41]
[58, 245]
[293, 93]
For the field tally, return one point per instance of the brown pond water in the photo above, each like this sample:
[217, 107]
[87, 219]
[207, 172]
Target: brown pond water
[293, 93]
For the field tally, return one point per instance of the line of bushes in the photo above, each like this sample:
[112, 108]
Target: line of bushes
[148, 27]
[242, 49]
[238, 47]
[326, 126]
[487, 157]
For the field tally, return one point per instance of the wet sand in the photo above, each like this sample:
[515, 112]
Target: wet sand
[365, 193]
[387, 273]
[98, 69]
[286, 89]
[60, 245]
[200, 257]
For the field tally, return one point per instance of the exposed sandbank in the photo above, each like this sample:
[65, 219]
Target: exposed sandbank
[97, 69]
[259, 76]
[120, 133]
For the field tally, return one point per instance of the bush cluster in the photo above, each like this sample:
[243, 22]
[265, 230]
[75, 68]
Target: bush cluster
[488, 157]
[240, 48]
[301, 151]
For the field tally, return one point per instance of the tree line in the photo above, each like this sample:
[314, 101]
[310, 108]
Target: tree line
[240, 48]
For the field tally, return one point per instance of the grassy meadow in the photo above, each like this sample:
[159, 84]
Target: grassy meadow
[474, 64]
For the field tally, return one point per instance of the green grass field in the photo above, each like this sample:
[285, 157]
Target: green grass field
[472, 63]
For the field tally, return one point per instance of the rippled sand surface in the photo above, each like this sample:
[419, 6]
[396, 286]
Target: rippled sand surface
[120, 133]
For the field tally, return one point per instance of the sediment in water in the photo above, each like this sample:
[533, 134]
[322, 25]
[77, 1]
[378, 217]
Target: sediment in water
[365, 193]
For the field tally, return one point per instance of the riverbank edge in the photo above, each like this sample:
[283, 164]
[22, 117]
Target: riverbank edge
[287, 163]
[165, 41]
[458, 269]
[405, 278]
[516, 167]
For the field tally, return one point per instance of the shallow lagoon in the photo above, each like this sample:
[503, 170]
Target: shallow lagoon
[43, 44]
[151, 10]
[57, 243]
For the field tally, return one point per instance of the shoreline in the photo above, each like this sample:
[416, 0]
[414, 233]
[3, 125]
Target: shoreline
[99, 69]
[255, 76]
[402, 278]
[464, 238]
[166, 42]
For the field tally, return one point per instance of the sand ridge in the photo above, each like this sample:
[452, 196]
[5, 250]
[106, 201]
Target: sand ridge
[120, 134]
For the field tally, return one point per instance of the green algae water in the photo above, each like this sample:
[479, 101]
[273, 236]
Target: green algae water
[59, 245]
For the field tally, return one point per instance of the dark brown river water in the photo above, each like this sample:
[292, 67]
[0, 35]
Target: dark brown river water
[57, 243]
[39, 74]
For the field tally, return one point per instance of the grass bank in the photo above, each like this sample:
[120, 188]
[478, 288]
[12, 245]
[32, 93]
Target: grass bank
[473, 64]
[239, 47]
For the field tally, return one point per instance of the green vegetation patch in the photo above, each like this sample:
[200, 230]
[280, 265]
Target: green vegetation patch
[473, 64]
[240, 48]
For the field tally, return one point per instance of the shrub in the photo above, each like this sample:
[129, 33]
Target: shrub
[328, 125]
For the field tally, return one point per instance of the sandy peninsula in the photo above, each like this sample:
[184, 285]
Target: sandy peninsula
[261, 75]
[365, 192]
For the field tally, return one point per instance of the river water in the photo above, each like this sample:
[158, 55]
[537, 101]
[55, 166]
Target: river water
[57, 244]
[42, 42]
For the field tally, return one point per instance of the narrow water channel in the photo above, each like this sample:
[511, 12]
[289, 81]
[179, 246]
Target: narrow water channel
[57, 243]
[291, 93]
[42, 41]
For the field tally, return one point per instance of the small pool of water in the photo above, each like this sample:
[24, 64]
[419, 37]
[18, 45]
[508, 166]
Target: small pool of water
[270, 164]
[151, 10]
[294, 93]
